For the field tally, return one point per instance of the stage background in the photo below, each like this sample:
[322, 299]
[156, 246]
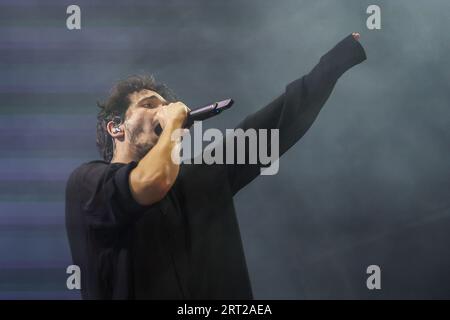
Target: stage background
[368, 184]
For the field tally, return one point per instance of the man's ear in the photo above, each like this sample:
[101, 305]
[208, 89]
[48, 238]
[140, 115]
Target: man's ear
[116, 131]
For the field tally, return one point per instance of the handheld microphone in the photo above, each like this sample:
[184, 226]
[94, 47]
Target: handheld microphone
[202, 113]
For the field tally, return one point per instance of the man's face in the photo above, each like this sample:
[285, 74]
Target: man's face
[140, 120]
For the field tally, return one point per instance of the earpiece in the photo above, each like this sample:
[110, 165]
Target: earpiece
[117, 121]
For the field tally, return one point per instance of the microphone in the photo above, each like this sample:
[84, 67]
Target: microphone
[202, 113]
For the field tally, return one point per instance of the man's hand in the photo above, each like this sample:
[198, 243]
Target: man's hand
[173, 113]
[356, 35]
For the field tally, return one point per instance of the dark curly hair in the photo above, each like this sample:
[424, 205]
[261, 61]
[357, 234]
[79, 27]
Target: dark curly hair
[117, 104]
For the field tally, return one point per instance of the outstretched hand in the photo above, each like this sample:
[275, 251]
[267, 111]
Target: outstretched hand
[356, 35]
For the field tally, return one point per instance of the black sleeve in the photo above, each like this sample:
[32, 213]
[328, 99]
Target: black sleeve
[106, 197]
[295, 110]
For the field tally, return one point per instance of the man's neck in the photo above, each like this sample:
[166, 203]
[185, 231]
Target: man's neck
[123, 156]
[121, 160]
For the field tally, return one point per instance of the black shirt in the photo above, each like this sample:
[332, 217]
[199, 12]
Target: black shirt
[188, 245]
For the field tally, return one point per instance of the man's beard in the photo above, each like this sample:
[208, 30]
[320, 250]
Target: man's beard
[140, 148]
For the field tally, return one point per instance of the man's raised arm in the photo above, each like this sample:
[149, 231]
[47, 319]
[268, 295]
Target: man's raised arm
[295, 110]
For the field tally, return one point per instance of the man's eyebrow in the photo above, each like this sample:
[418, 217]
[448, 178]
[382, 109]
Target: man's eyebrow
[151, 98]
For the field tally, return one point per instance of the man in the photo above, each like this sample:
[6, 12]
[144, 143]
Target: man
[142, 227]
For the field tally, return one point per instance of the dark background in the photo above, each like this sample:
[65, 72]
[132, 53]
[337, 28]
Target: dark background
[368, 184]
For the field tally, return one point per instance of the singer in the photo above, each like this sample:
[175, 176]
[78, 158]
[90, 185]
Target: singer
[143, 227]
